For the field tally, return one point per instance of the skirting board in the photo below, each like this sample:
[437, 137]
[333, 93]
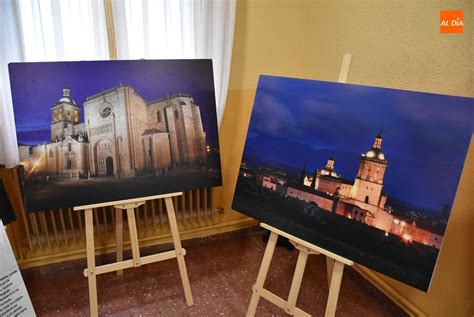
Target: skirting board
[389, 291]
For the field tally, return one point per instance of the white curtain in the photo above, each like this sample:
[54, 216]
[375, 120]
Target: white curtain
[44, 30]
[54, 30]
[173, 29]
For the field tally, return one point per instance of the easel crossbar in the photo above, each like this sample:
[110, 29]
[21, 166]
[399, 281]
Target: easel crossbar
[107, 268]
[308, 245]
[127, 201]
[280, 302]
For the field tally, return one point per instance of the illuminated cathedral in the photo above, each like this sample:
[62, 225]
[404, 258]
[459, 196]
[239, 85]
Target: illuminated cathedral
[362, 199]
[122, 136]
[364, 192]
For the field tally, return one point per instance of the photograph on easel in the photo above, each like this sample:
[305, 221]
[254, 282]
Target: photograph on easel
[367, 173]
[96, 131]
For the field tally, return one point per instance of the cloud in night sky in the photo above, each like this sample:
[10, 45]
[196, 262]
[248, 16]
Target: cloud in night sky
[281, 120]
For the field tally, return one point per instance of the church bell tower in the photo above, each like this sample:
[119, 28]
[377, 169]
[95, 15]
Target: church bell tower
[369, 180]
[64, 115]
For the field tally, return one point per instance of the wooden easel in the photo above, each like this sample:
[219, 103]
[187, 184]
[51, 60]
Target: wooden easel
[334, 263]
[129, 205]
[305, 249]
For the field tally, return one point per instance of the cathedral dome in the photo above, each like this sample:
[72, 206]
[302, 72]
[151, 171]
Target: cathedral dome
[329, 169]
[326, 172]
[66, 97]
[375, 153]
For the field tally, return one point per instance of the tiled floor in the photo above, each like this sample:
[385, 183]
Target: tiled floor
[222, 271]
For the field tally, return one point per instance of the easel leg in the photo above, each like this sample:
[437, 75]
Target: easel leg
[329, 268]
[334, 289]
[91, 278]
[296, 283]
[262, 274]
[119, 236]
[179, 254]
[132, 228]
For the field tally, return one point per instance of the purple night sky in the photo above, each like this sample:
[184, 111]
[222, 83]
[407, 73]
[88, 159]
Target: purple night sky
[37, 86]
[425, 136]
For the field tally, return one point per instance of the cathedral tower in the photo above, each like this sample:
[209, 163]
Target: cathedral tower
[369, 180]
[65, 115]
[329, 169]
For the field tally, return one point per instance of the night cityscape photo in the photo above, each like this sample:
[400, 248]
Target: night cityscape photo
[368, 173]
[100, 131]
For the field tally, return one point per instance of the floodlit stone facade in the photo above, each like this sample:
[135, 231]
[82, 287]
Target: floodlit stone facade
[122, 136]
[361, 200]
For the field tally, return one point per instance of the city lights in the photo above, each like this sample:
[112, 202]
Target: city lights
[407, 238]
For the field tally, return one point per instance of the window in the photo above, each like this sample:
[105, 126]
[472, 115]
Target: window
[176, 114]
[366, 199]
[69, 147]
[85, 38]
[51, 154]
[105, 112]
[158, 116]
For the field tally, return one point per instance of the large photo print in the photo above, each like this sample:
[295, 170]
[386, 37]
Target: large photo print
[367, 173]
[101, 131]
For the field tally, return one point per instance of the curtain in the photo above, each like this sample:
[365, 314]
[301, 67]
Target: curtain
[56, 30]
[44, 30]
[173, 29]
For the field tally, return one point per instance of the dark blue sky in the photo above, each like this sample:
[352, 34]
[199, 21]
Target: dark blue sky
[37, 86]
[425, 136]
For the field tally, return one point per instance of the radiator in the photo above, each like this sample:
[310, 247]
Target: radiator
[57, 234]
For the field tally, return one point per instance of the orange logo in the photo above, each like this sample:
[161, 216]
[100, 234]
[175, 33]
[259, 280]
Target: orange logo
[451, 21]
